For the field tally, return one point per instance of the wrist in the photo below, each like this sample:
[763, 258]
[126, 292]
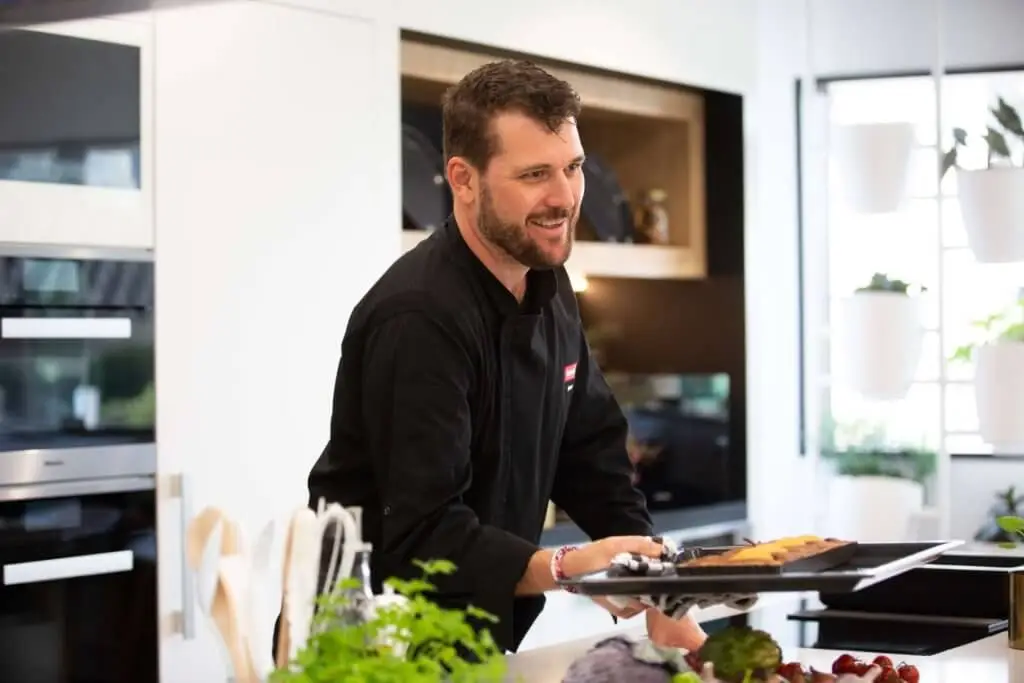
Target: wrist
[561, 566]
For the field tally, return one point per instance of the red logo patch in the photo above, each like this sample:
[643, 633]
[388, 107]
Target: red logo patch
[570, 373]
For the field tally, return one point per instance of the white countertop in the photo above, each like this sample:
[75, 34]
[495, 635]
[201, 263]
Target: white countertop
[985, 661]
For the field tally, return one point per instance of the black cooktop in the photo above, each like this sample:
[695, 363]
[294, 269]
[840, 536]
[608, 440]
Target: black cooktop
[805, 623]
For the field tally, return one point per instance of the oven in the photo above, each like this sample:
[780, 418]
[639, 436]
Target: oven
[78, 582]
[77, 396]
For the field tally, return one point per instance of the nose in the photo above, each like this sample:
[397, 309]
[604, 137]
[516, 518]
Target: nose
[561, 193]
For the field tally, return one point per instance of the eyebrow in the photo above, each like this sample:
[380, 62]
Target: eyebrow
[542, 167]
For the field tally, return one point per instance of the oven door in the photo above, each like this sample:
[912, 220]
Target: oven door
[78, 582]
[77, 396]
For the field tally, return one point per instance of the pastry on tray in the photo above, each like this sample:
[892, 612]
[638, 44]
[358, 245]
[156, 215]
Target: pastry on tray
[770, 553]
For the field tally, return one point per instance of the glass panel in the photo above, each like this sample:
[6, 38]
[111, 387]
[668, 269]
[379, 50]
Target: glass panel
[974, 291]
[77, 119]
[79, 600]
[76, 363]
[854, 242]
[886, 100]
[961, 410]
[912, 421]
[967, 444]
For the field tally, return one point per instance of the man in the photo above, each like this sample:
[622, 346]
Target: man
[466, 395]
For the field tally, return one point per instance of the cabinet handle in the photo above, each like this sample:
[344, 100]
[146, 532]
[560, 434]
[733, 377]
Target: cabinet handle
[188, 596]
[66, 328]
[60, 568]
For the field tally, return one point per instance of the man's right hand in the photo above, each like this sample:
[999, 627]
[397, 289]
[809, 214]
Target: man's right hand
[598, 555]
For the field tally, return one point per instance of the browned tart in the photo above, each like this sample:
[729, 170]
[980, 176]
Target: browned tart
[771, 553]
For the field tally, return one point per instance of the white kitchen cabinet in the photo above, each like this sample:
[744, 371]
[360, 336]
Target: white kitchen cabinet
[79, 109]
[276, 195]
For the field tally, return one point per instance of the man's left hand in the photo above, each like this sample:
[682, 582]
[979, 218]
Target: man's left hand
[683, 633]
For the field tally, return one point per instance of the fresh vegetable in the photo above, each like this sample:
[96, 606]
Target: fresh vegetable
[741, 654]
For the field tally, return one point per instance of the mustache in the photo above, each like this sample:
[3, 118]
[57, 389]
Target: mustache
[553, 215]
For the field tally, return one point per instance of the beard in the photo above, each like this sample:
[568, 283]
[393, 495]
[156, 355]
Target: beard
[515, 240]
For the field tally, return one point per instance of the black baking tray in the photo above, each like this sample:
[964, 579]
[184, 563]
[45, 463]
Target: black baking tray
[871, 563]
[820, 562]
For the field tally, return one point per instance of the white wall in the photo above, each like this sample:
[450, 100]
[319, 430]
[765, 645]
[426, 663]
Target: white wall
[881, 36]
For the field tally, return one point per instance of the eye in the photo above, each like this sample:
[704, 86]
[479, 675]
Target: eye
[538, 174]
[575, 166]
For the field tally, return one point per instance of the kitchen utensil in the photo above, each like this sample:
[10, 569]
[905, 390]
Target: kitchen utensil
[303, 571]
[262, 593]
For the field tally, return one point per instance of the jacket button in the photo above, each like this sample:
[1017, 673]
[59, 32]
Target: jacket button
[387, 510]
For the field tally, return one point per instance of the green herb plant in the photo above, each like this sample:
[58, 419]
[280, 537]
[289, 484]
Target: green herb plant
[1007, 122]
[414, 642]
[1013, 525]
[1003, 326]
[880, 282]
[864, 449]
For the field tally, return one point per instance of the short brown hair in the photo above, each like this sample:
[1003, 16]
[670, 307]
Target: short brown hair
[510, 85]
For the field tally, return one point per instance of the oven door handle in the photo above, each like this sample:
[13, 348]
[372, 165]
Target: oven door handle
[60, 568]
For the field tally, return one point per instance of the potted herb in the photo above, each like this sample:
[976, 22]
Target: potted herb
[992, 195]
[413, 641]
[998, 357]
[871, 160]
[877, 487]
[881, 335]
[995, 529]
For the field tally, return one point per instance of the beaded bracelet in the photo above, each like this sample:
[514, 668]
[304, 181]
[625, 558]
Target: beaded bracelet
[557, 572]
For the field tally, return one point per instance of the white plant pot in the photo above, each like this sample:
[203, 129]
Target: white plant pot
[873, 509]
[872, 161]
[881, 335]
[992, 208]
[999, 394]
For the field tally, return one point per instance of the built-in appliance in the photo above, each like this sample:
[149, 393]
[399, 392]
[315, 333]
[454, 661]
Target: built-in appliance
[78, 582]
[77, 396]
[958, 598]
[76, 152]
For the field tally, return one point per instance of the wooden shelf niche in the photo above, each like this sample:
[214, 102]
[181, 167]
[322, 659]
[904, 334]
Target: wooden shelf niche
[651, 135]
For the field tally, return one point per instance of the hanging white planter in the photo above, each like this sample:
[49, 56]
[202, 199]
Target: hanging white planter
[999, 395]
[992, 208]
[873, 509]
[872, 162]
[881, 339]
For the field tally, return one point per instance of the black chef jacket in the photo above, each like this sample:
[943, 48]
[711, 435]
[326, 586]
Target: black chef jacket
[458, 413]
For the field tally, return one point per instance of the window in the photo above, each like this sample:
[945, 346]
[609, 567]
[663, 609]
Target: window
[910, 246]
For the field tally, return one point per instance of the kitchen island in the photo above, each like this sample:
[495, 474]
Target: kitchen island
[989, 660]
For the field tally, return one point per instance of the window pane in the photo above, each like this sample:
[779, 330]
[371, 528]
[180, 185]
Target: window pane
[967, 444]
[961, 409]
[913, 421]
[974, 291]
[953, 233]
[904, 245]
[886, 100]
[923, 178]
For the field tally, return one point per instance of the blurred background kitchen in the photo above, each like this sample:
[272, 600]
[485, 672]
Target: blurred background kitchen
[782, 290]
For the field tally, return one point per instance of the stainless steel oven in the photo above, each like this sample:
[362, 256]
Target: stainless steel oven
[78, 582]
[77, 396]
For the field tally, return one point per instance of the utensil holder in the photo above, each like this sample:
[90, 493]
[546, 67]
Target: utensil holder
[1016, 632]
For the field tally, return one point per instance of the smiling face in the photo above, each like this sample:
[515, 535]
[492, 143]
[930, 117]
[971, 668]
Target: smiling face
[528, 200]
[514, 159]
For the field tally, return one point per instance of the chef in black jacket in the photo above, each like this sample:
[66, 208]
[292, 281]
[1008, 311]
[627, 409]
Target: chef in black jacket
[467, 397]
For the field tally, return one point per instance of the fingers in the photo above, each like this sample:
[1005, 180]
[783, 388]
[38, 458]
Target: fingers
[623, 608]
[642, 545]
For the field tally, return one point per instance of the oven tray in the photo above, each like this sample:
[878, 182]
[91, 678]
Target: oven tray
[830, 559]
[871, 563]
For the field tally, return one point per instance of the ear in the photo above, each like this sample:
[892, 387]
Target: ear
[463, 178]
